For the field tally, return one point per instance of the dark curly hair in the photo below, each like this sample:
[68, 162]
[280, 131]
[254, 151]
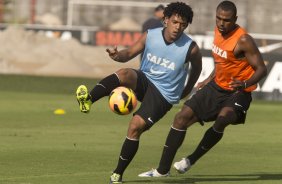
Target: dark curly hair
[181, 9]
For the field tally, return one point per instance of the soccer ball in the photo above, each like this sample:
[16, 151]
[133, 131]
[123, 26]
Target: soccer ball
[122, 100]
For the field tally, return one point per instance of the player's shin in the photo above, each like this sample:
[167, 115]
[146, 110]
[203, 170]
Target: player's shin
[128, 152]
[173, 142]
[211, 138]
[104, 87]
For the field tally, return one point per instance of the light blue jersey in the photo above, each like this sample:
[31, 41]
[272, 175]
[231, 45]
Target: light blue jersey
[164, 64]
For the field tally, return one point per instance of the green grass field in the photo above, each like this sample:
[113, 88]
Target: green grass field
[38, 147]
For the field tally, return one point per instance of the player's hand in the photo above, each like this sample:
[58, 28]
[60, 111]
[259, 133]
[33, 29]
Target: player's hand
[113, 53]
[237, 84]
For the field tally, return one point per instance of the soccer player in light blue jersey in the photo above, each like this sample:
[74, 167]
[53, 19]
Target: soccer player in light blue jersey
[160, 81]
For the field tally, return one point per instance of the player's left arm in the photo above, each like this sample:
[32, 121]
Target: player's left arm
[195, 58]
[127, 54]
[247, 46]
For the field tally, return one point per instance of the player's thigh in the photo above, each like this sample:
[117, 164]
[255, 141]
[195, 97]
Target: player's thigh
[240, 101]
[127, 77]
[153, 107]
[205, 103]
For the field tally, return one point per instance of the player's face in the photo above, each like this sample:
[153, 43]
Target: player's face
[175, 25]
[225, 21]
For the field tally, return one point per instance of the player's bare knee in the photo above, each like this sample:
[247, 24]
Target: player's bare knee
[135, 129]
[180, 121]
[122, 73]
[127, 77]
[221, 123]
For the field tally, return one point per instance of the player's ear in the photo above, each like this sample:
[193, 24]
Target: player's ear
[236, 18]
[165, 21]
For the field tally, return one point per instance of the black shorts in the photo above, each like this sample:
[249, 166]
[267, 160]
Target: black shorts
[208, 102]
[154, 106]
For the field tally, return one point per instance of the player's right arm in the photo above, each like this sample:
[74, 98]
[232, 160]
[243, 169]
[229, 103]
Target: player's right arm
[129, 53]
[195, 58]
[246, 46]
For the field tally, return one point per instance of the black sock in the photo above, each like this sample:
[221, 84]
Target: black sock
[127, 153]
[210, 139]
[104, 87]
[173, 142]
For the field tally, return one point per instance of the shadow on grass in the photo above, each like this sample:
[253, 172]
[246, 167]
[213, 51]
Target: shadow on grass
[212, 178]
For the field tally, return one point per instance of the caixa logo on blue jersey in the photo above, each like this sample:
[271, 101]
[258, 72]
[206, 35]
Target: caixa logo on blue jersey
[161, 61]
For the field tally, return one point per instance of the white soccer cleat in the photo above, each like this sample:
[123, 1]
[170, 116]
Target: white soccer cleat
[153, 173]
[182, 166]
